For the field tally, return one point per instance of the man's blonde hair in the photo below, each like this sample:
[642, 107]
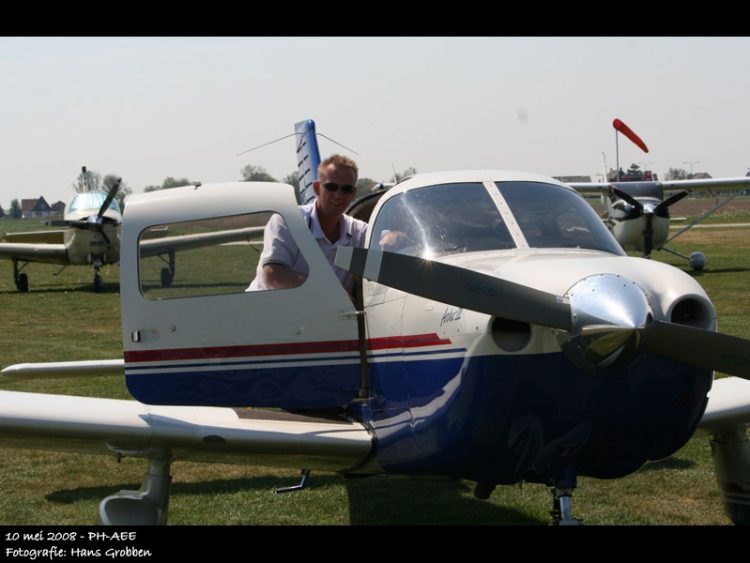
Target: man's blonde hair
[338, 161]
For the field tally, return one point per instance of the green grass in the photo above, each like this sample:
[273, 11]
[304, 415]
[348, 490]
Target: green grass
[63, 319]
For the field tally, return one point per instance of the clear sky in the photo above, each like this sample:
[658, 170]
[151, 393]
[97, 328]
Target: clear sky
[148, 108]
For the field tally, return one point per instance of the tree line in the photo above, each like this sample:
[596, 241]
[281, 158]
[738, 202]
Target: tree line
[90, 180]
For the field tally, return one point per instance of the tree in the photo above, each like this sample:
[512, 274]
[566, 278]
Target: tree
[251, 173]
[90, 181]
[364, 186]
[15, 209]
[292, 179]
[122, 193]
[168, 183]
[677, 174]
[634, 173]
[411, 171]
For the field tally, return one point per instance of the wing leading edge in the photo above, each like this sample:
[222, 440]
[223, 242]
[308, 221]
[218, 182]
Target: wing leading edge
[221, 435]
[34, 252]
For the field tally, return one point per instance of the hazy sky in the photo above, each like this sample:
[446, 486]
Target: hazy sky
[148, 108]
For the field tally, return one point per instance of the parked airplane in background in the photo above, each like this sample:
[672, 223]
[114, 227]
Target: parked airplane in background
[463, 356]
[637, 213]
[90, 238]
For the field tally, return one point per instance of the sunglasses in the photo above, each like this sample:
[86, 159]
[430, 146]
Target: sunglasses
[334, 187]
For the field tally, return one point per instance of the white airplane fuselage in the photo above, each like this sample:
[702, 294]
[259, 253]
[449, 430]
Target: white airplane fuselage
[450, 391]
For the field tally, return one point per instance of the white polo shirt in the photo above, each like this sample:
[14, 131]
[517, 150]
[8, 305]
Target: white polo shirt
[279, 246]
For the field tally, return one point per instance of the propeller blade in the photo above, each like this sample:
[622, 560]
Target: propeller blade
[457, 286]
[110, 196]
[79, 224]
[629, 198]
[700, 348]
[661, 209]
[100, 228]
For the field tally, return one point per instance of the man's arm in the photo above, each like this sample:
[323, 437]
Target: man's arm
[278, 276]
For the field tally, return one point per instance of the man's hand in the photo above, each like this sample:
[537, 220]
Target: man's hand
[392, 240]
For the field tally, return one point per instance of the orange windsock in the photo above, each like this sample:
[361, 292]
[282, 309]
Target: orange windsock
[628, 132]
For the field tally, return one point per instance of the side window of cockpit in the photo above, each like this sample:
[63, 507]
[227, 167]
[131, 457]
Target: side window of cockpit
[216, 256]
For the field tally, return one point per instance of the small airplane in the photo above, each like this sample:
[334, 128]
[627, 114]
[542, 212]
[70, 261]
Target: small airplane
[90, 238]
[461, 354]
[637, 213]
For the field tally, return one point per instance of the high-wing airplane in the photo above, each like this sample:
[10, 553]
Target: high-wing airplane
[637, 213]
[90, 237]
[506, 338]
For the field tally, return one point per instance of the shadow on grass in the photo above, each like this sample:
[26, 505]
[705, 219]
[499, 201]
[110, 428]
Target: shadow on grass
[372, 500]
[669, 463]
[85, 288]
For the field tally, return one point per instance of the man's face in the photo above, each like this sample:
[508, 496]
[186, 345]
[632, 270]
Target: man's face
[335, 203]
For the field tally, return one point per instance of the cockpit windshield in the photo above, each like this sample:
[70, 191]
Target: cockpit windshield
[87, 201]
[463, 217]
[554, 217]
[439, 220]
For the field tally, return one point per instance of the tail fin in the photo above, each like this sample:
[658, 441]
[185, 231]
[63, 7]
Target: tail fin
[308, 159]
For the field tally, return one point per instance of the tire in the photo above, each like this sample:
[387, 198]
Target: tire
[166, 277]
[23, 283]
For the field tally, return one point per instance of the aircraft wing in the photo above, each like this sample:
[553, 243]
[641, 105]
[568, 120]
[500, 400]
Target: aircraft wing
[702, 185]
[209, 434]
[728, 404]
[37, 237]
[34, 252]
[589, 187]
[157, 246]
[712, 184]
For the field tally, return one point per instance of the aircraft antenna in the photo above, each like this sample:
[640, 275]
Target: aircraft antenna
[291, 135]
[339, 144]
[265, 144]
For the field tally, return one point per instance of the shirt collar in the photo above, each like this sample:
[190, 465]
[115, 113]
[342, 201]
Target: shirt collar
[317, 231]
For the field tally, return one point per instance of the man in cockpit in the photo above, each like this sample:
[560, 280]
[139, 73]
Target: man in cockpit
[281, 264]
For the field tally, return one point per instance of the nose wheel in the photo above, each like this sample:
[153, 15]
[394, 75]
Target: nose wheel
[21, 279]
[562, 491]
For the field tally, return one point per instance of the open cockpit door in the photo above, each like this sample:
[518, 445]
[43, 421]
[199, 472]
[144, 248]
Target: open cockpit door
[193, 332]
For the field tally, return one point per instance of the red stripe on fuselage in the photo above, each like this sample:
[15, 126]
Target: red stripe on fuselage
[413, 341]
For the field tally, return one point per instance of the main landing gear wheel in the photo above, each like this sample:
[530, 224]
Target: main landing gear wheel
[166, 277]
[98, 283]
[22, 283]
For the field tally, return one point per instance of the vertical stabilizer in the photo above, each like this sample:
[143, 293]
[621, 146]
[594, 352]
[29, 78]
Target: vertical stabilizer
[308, 159]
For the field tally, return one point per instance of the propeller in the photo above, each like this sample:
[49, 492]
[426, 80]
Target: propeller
[105, 205]
[457, 286]
[93, 221]
[648, 210]
[637, 205]
[598, 331]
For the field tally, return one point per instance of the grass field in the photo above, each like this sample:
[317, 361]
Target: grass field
[63, 319]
